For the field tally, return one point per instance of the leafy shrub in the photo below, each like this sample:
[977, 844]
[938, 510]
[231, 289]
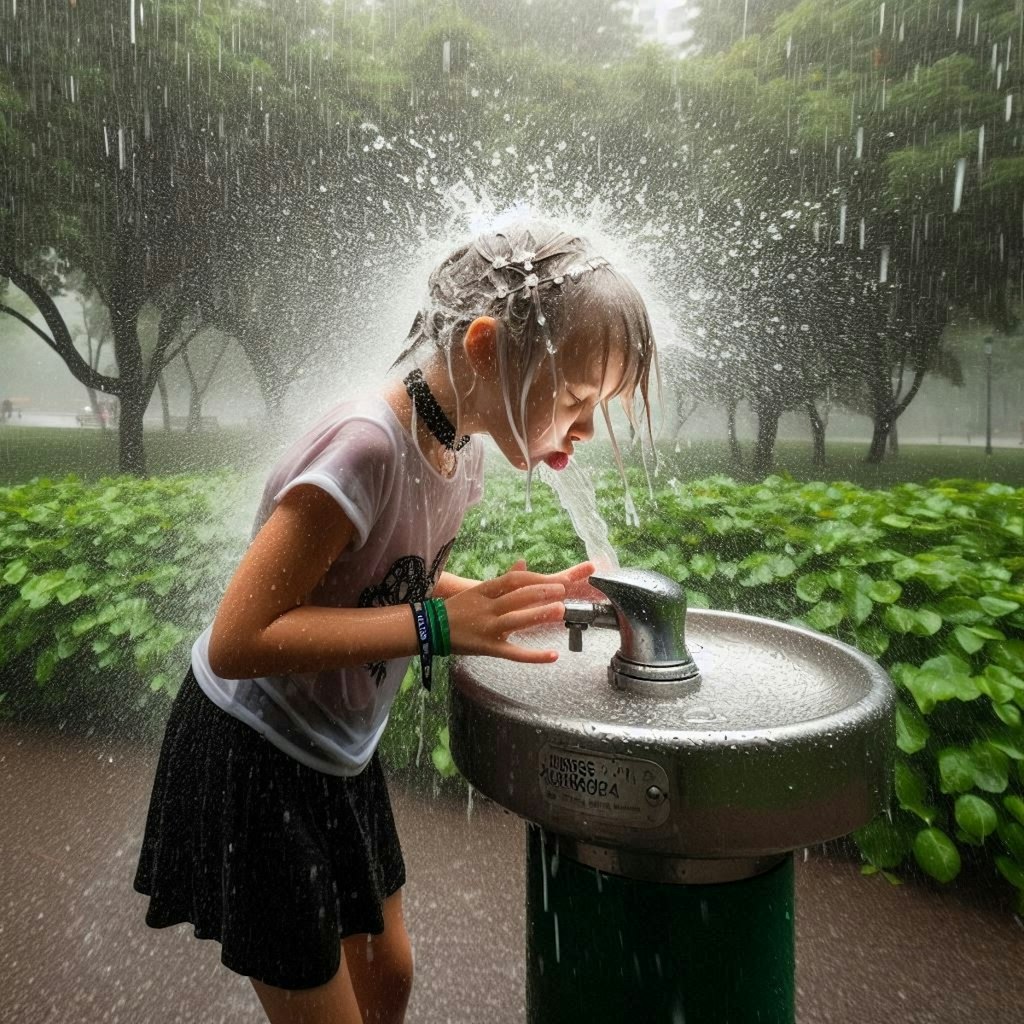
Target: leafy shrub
[416, 739]
[107, 582]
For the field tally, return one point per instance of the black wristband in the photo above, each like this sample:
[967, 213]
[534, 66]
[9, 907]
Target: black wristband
[426, 644]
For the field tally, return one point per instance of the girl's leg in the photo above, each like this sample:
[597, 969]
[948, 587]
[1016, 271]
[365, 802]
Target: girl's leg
[333, 1003]
[372, 985]
[381, 967]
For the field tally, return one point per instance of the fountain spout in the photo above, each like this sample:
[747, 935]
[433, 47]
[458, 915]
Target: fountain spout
[649, 611]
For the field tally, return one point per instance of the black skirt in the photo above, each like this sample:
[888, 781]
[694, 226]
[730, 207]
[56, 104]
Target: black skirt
[276, 861]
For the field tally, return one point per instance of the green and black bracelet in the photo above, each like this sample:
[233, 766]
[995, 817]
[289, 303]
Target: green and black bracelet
[433, 634]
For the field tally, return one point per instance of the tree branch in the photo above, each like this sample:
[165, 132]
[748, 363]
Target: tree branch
[216, 363]
[188, 340]
[170, 321]
[914, 388]
[28, 323]
[60, 341]
[903, 364]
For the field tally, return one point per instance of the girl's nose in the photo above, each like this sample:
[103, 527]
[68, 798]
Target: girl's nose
[582, 430]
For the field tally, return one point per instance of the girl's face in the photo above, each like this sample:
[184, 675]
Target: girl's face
[560, 412]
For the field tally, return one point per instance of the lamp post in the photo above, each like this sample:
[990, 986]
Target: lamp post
[988, 396]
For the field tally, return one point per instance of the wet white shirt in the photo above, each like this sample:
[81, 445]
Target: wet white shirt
[406, 516]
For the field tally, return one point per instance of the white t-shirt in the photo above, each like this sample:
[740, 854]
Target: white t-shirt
[406, 516]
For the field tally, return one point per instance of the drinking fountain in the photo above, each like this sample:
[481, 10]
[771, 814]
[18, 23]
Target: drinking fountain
[667, 766]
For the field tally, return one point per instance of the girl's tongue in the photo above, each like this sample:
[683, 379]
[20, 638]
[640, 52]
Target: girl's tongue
[557, 460]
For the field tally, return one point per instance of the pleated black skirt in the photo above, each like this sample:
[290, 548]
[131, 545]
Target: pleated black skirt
[276, 861]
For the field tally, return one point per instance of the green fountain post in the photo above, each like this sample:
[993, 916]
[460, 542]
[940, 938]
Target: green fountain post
[664, 795]
[602, 947]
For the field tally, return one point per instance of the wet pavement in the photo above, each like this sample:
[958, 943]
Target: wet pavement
[74, 947]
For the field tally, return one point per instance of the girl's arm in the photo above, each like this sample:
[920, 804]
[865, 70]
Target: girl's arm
[448, 585]
[266, 626]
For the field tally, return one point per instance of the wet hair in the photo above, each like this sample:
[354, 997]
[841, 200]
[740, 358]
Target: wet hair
[568, 280]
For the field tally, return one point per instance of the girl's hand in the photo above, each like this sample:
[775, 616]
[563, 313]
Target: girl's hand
[480, 618]
[575, 579]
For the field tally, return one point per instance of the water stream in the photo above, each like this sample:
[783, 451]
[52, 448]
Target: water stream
[575, 489]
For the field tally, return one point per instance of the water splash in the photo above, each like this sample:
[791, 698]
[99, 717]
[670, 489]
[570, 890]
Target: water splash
[575, 490]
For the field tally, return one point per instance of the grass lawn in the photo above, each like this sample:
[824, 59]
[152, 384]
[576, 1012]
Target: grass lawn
[914, 464]
[27, 452]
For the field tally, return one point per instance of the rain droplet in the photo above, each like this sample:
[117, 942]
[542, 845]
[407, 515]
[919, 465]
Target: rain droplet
[958, 185]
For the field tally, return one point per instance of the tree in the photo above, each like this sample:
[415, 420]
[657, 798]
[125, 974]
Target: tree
[258, 173]
[150, 165]
[832, 106]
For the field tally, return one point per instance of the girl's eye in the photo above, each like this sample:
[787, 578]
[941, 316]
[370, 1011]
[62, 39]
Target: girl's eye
[576, 401]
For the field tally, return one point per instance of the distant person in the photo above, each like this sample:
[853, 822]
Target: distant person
[269, 825]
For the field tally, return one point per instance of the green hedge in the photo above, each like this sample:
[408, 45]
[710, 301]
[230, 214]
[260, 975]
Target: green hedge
[103, 588]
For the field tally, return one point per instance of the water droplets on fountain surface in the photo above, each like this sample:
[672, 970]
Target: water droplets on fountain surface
[747, 684]
[787, 742]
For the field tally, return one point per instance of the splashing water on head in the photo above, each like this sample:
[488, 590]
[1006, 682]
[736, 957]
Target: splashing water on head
[536, 282]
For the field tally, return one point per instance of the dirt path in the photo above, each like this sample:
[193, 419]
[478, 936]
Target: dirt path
[74, 947]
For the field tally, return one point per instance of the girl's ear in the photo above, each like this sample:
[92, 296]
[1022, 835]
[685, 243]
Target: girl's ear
[481, 345]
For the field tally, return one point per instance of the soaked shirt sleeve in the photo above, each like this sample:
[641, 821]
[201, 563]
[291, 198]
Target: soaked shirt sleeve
[355, 465]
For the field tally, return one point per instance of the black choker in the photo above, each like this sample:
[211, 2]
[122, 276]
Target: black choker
[433, 415]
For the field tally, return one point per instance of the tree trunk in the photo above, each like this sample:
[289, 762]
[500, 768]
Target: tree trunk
[735, 451]
[682, 417]
[818, 433]
[134, 390]
[767, 431]
[894, 440]
[94, 405]
[131, 447]
[195, 402]
[266, 371]
[132, 453]
[888, 411]
[879, 437]
[165, 405]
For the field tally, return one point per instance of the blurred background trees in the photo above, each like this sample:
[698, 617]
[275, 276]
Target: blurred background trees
[823, 185]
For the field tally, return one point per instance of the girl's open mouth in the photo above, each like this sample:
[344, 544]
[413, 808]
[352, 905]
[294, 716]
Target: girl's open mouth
[557, 460]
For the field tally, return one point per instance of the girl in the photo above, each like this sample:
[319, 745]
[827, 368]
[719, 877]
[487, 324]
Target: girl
[269, 826]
